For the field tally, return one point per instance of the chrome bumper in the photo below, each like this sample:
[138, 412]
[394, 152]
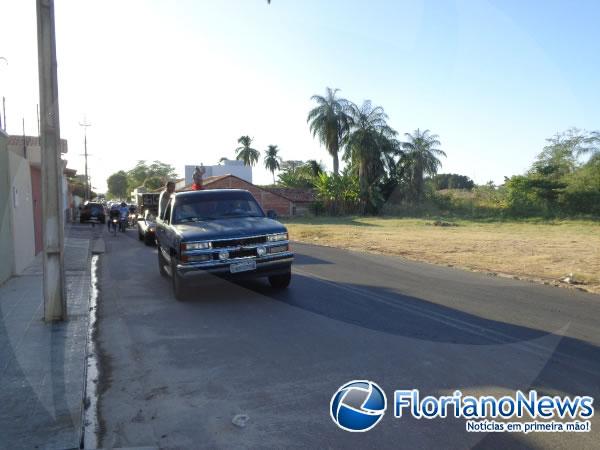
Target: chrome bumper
[265, 266]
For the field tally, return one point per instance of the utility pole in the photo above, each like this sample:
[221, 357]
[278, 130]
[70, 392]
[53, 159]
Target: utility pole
[55, 304]
[24, 141]
[85, 124]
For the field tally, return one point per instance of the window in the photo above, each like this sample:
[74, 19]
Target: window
[212, 206]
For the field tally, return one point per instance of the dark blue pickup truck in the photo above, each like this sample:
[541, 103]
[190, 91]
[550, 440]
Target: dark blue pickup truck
[221, 232]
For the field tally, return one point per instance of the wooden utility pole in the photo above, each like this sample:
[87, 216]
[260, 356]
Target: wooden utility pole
[55, 304]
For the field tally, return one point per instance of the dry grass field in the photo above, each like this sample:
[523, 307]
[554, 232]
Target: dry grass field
[565, 253]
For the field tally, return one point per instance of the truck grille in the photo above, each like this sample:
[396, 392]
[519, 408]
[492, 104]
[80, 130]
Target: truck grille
[242, 253]
[240, 242]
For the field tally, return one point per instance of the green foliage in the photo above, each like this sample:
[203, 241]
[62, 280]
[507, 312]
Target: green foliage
[582, 193]
[369, 146]
[558, 184]
[389, 175]
[246, 153]
[142, 171]
[154, 182]
[117, 185]
[452, 181]
[420, 158]
[272, 160]
[77, 186]
[330, 122]
[301, 176]
[337, 194]
[151, 176]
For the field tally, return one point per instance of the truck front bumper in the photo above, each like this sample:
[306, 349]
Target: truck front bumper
[267, 265]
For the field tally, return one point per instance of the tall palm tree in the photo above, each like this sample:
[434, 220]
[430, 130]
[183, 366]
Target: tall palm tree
[368, 145]
[246, 153]
[421, 158]
[314, 167]
[272, 160]
[330, 122]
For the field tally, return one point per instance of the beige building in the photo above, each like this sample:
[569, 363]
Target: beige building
[21, 236]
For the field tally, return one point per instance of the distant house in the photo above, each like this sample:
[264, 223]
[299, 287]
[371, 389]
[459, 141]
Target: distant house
[227, 167]
[268, 198]
[301, 199]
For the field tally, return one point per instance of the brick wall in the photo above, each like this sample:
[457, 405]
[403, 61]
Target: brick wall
[282, 206]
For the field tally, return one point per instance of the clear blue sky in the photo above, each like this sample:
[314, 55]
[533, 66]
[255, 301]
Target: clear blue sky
[180, 81]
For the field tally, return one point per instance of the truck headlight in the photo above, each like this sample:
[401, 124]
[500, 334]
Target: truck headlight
[278, 248]
[196, 245]
[277, 237]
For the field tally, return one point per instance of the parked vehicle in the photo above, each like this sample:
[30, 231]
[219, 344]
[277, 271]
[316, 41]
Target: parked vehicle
[223, 232]
[92, 211]
[146, 226]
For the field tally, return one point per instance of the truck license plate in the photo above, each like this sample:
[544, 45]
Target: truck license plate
[243, 266]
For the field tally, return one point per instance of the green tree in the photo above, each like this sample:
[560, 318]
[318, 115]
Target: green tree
[452, 181]
[421, 158]
[337, 194]
[314, 167]
[137, 176]
[295, 177]
[330, 122]
[246, 153]
[272, 160]
[154, 182]
[368, 144]
[118, 185]
[77, 186]
[573, 141]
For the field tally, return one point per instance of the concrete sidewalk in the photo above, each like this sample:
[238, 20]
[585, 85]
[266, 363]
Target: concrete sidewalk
[42, 365]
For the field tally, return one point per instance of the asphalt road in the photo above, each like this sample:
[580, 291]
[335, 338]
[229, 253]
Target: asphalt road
[175, 374]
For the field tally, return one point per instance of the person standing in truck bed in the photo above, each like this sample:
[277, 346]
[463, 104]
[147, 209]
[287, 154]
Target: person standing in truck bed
[164, 197]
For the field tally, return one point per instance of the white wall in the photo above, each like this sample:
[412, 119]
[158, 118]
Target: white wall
[6, 240]
[21, 204]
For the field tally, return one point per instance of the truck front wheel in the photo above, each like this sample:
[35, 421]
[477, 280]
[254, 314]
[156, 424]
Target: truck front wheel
[178, 284]
[281, 281]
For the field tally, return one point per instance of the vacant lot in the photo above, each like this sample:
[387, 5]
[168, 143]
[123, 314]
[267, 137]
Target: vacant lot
[547, 251]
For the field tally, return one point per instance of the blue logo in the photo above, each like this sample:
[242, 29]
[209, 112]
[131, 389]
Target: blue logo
[358, 406]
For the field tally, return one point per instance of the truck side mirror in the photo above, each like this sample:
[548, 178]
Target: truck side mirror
[271, 214]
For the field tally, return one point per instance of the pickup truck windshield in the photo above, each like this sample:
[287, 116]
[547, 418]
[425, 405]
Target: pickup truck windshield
[209, 206]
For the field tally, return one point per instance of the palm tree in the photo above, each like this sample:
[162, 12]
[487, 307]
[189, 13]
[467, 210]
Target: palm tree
[369, 144]
[246, 153]
[313, 167]
[421, 158]
[330, 121]
[272, 161]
